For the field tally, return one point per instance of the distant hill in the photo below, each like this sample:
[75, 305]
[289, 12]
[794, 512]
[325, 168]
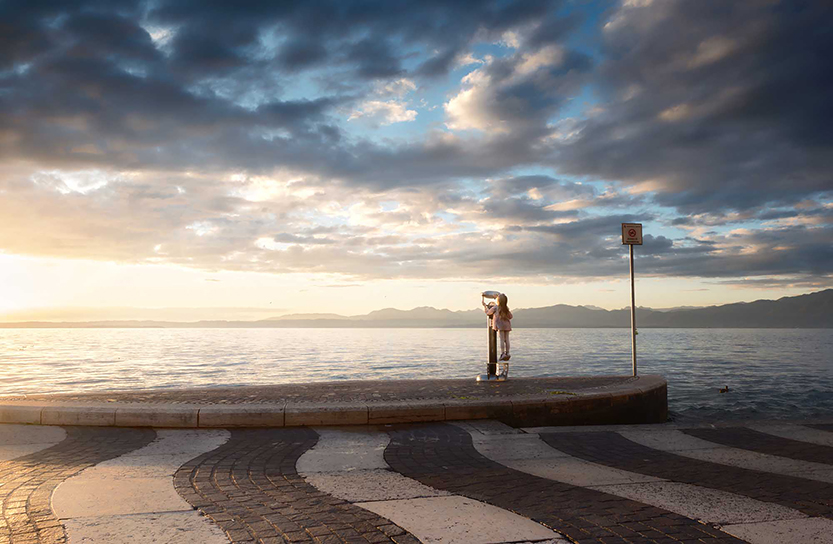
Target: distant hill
[813, 311]
[290, 317]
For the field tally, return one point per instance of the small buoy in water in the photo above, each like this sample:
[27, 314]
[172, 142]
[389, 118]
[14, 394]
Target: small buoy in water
[724, 390]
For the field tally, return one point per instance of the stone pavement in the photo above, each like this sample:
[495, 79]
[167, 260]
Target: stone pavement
[518, 401]
[258, 494]
[473, 482]
[342, 391]
[28, 481]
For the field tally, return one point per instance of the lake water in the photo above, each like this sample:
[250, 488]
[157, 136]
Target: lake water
[784, 373]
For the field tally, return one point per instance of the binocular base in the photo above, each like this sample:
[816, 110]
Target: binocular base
[500, 377]
[491, 378]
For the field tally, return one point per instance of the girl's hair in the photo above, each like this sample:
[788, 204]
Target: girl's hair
[502, 308]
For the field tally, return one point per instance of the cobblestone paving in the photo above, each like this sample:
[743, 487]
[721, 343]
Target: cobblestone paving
[27, 483]
[347, 391]
[609, 448]
[251, 489]
[442, 456]
[748, 439]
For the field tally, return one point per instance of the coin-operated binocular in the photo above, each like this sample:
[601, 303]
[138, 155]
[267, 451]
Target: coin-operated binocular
[491, 364]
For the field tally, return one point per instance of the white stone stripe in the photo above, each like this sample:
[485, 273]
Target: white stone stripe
[795, 432]
[350, 464]
[810, 530]
[132, 498]
[680, 443]
[745, 515]
[19, 440]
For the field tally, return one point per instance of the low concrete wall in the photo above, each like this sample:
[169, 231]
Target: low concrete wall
[640, 400]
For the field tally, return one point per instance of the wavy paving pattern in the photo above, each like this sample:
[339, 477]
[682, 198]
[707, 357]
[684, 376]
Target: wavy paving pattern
[131, 498]
[251, 489]
[802, 433]
[19, 440]
[682, 444]
[477, 482]
[350, 464]
[748, 439]
[28, 481]
[749, 519]
[810, 497]
[443, 457]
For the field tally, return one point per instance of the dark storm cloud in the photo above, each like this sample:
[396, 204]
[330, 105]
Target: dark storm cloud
[300, 53]
[90, 87]
[724, 105]
[374, 58]
[362, 28]
[112, 34]
[553, 30]
[27, 29]
[791, 251]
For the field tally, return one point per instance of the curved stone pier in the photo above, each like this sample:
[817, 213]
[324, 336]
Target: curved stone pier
[521, 402]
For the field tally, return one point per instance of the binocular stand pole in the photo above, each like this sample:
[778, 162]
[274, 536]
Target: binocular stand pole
[491, 366]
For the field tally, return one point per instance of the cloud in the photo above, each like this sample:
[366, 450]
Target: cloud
[720, 105]
[383, 112]
[518, 92]
[226, 136]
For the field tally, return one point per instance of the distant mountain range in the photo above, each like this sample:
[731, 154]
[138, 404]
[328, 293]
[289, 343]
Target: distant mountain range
[812, 311]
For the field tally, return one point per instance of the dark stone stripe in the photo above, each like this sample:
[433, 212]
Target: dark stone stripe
[442, 456]
[747, 439]
[250, 488]
[822, 427]
[28, 481]
[608, 448]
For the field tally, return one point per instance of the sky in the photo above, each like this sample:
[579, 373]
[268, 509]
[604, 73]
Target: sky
[247, 159]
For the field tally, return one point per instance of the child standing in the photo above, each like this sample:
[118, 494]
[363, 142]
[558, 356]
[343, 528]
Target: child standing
[502, 323]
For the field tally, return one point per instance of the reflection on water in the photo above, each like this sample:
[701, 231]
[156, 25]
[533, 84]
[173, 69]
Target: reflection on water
[771, 373]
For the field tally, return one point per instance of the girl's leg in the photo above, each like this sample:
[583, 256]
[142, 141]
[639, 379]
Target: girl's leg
[504, 340]
[504, 343]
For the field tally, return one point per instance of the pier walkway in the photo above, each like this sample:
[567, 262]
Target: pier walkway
[517, 402]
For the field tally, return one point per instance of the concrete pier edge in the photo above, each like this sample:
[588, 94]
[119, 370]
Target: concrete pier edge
[642, 399]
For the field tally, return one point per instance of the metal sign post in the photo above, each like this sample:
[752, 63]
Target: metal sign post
[632, 236]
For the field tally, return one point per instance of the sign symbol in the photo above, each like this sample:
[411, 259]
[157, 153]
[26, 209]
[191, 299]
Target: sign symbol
[632, 232]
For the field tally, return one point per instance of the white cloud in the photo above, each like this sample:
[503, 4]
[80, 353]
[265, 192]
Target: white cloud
[510, 39]
[202, 228]
[548, 56]
[83, 181]
[397, 88]
[383, 112]
[467, 60]
[478, 105]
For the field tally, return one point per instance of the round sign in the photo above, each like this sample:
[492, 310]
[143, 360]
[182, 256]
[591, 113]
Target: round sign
[632, 232]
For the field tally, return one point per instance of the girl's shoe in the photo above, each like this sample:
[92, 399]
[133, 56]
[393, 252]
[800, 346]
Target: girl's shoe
[506, 357]
[502, 357]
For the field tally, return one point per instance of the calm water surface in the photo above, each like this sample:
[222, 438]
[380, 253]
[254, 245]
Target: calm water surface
[785, 373]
